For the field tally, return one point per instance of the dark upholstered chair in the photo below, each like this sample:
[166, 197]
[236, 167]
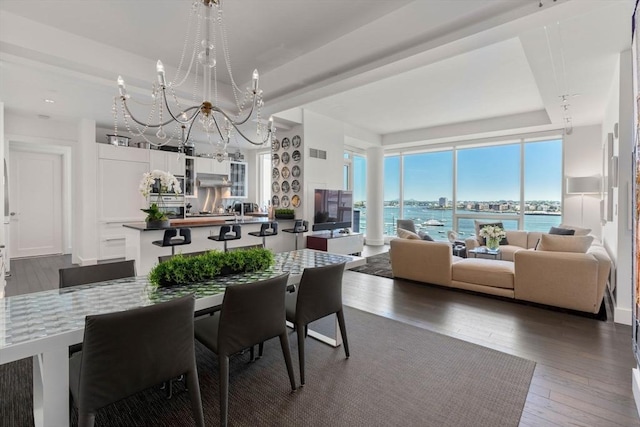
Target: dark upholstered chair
[251, 314]
[82, 275]
[266, 229]
[129, 351]
[170, 239]
[406, 224]
[319, 294]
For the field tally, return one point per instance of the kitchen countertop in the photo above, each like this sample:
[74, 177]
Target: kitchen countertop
[200, 222]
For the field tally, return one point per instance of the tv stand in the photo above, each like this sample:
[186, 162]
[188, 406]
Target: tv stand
[337, 243]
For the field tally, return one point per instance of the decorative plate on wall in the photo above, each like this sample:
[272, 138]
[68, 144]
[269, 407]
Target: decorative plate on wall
[285, 201]
[275, 145]
[295, 185]
[275, 201]
[275, 174]
[295, 141]
[285, 172]
[285, 143]
[285, 186]
[275, 187]
[296, 156]
[295, 201]
[285, 158]
[275, 159]
[295, 171]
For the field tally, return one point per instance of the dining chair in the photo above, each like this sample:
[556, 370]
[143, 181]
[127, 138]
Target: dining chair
[318, 295]
[251, 314]
[129, 351]
[81, 275]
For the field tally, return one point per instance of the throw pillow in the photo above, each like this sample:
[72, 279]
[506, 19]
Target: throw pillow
[479, 225]
[562, 231]
[579, 231]
[555, 243]
[406, 234]
[425, 236]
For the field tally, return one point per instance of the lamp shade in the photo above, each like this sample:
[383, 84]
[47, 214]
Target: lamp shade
[584, 184]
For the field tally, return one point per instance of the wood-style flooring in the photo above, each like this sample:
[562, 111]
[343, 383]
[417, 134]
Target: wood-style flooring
[583, 371]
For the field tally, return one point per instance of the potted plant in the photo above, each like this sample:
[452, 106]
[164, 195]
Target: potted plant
[285, 214]
[155, 217]
[205, 267]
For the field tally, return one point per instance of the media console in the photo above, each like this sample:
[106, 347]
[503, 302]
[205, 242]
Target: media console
[337, 243]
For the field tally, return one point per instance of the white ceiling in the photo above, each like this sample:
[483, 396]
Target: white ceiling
[408, 71]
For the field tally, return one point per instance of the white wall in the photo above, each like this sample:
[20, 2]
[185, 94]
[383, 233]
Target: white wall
[582, 157]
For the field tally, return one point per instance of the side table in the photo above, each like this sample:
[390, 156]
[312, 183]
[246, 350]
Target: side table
[485, 252]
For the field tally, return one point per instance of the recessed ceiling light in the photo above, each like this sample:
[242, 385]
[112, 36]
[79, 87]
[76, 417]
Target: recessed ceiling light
[49, 101]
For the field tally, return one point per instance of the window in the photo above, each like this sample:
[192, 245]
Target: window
[360, 192]
[391, 193]
[542, 185]
[427, 194]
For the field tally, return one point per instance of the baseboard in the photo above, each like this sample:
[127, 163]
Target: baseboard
[622, 315]
[370, 242]
[635, 385]
[88, 261]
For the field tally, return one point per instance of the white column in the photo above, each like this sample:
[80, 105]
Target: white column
[375, 196]
[85, 216]
[3, 235]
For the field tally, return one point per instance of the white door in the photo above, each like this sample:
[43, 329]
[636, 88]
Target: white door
[35, 204]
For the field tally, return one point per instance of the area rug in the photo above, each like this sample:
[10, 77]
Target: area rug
[377, 265]
[397, 374]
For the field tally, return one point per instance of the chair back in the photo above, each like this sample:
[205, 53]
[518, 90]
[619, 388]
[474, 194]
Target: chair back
[319, 292]
[168, 235]
[252, 313]
[186, 234]
[73, 276]
[269, 229]
[224, 229]
[406, 224]
[129, 351]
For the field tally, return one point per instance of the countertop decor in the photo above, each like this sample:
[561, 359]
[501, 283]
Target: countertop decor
[181, 269]
[285, 214]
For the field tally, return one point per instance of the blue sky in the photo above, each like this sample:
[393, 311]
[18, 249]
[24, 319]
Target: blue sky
[486, 173]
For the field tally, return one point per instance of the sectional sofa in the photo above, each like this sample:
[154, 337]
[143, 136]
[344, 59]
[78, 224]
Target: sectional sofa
[565, 271]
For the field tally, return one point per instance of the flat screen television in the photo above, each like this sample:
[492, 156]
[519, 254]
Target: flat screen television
[333, 209]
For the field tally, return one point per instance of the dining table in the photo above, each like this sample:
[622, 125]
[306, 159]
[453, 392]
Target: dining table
[43, 325]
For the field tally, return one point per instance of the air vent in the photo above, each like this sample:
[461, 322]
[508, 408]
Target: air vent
[317, 154]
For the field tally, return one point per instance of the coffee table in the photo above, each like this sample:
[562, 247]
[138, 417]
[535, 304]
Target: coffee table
[485, 252]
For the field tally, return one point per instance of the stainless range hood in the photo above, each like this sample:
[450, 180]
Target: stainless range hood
[210, 180]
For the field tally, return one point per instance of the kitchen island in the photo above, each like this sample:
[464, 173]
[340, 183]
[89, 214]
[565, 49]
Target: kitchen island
[138, 238]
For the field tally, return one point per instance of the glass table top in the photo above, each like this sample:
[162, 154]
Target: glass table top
[29, 317]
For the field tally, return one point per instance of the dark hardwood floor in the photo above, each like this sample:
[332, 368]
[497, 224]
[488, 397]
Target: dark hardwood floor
[583, 371]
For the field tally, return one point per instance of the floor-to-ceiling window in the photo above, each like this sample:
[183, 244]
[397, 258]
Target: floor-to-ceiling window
[359, 167]
[427, 195]
[517, 183]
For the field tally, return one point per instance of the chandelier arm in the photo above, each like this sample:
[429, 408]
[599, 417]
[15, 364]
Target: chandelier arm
[166, 103]
[240, 122]
[249, 140]
[126, 107]
[217, 127]
[191, 126]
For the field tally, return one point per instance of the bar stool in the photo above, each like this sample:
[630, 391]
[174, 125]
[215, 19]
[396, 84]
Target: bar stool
[299, 227]
[227, 233]
[170, 239]
[267, 229]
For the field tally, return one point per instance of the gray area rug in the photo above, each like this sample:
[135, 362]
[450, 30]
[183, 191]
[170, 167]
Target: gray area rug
[398, 374]
[377, 265]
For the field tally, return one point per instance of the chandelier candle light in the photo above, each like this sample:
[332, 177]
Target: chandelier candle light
[218, 124]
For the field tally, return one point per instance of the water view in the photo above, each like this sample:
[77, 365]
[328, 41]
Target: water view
[436, 222]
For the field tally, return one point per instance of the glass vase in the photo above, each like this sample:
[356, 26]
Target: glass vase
[493, 244]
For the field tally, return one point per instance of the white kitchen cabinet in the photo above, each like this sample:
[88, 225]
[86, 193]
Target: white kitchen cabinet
[212, 166]
[167, 161]
[238, 177]
[119, 200]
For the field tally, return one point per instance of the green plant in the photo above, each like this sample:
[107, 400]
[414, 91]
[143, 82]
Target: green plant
[154, 214]
[199, 268]
[285, 212]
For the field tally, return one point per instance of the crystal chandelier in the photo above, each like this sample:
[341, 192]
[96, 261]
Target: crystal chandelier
[205, 112]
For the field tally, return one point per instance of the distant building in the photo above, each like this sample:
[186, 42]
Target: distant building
[442, 202]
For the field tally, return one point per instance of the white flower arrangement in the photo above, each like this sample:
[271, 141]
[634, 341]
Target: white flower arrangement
[493, 232]
[168, 182]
